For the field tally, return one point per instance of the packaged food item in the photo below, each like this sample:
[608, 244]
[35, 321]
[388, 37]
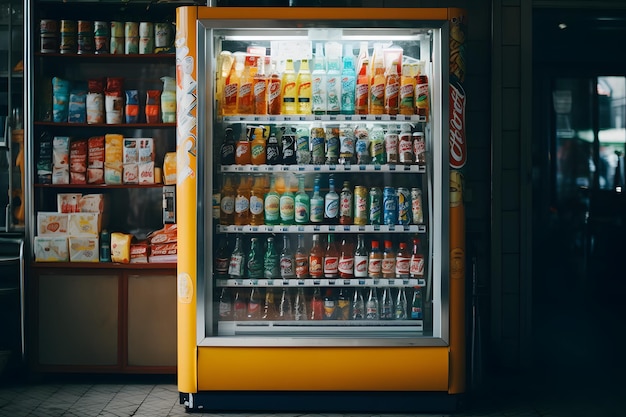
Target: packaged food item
[113, 173]
[113, 148]
[44, 160]
[78, 161]
[60, 99]
[84, 249]
[52, 223]
[95, 160]
[113, 106]
[95, 101]
[153, 104]
[139, 252]
[146, 172]
[130, 174]
[132, 106]
[167, 234]
[146, 149]
[91, 203]
[51, 249]
[130, 152]
[169, 168]
[77, 110]
[60, 160]
[120, 247]
[68, 202]
[168, 100]
[80, 224]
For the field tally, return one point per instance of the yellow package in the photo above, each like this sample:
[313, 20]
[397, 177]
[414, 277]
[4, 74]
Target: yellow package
[120, 247]
[169, 168]
[113, 148]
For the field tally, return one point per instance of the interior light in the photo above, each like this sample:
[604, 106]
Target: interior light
[562, 26]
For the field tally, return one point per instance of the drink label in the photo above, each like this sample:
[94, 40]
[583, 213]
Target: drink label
[316, 268]
[242, 204]
[301, 212]
[331, 208]
[329, 308]
[331, 266]
[345, 206]
[360, 266]
[286, 267]
[235, 268]
[374, 267]
[221, 266]
[388, 267]
[317, 211]
[371, 311]
[302, 266]
[287, 208]
[256, 205]
[346, 267]
[272, 204]
[416, 268]
[227, 204]
[403, 265]
[257, 150]
[225, 309]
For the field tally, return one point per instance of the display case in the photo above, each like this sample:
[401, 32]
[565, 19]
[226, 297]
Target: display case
[320, 233]
[102, 126]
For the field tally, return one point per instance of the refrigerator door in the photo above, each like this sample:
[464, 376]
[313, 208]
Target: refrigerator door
[250, 290]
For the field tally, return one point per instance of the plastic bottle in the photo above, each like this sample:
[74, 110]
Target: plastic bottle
[242, 201]
[274, 102]
[255, 259]
[272, 150]
[400, 310]
[271, 269]
[375, 261]
[168, 100]
[419, 148]
[317, 204]
[416, 267]
[259, 87]
[302, 203]
[406, 156]
[288, 143]
[391, 145]
[303, 88]
[302, 259]
[331, 258]
[346, 259]
[417, 305]
[243, 151]
[422, 101]
[377, 145]
[257, 147]
[332, 145]
[222, 258]
[237, 265]
[318, 81]
[231, 86]
[358, 305]
[361, 98]
[331, 204]
[345, 204]
[333, 78]
[389, 260]
[371, 305]
[317, 305]
[392, 90]
[346, 145]
[316, 258]
[254, 305]
[288, 89]
[105, 246]
[330, 305]
[403, 261]
[227, 202]
[245, 95]
[299, 306]
[303, 153]
[360, 258]
[348, 82]
[386, 304]
[271, 205]
[287, 261]
[362, 145]
[287, 207]
[227, 150]
[318, 145]
[257, 201]
[225, 309]
[407, 91]
[377, 87]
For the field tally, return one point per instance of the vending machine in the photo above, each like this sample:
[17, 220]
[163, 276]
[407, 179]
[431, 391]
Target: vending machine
[320, 218]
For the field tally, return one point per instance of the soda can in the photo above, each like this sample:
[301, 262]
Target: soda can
[404, 206]
[375, 205]
[360, 205]
[417, 211]
[390, 206]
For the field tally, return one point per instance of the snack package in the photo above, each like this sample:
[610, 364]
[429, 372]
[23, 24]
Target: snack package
[120, 247]
[169, 168]
[84, 249]
[52, 223]
[68, 202]
[81, 224]
[51, 249]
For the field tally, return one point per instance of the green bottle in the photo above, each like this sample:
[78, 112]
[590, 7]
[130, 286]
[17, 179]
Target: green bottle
[270, 263]
[287, 207]
[255, 259]
[303, 204]
[271, 205]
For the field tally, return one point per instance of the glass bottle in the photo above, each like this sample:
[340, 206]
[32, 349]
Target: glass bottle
[371, 305]
[377, 145]
[302, 203]
[272, 150]
[343, 305]
[417, 305]
[362, 145]
[362, 88]
[288, 88]
[358, 305]
[271, 268]
[257, 201]
[377, 87]
[345, 204]
[318, 81]
[317, 305]
[303, 87]
[227, 150]
[316, 204]
[316, 258]
[231, 87]
[245, 98]
[299, 305]
[386, 304]
[271, 204]
[389, 260]
[285, 309]
[227, 202]
[331, 258]
[346, 259]
[259, 87]
[269, 305]
[287, 207]
[240, 305]
[274, 101]
[287, 260]
[375, 261]
[257, 145]
[254, 311]
[222, 259]
[416, 266]
[392, 89]
[403, 261]
[331, 204]
[405, 146]
[225, 304]
[333, 86]
[237, 265]
[400, 305]
[407, 91]
[242, 202]
[360, 258]
[301, 259]
[288, 143]
[255, 259]
[348, 82]
[243, 151]
[330, 305]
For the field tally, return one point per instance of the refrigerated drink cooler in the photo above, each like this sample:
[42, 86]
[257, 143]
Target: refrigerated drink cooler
[320, 220]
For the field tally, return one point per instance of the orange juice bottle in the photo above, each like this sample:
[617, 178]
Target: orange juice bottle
[231, 87]
[392, 89]
[377, 87]
[242, 202]
[244, 95]
[288, 89]
[362, 88]
[274, 103]
[259, 88]
[257, 146]
[257, 201]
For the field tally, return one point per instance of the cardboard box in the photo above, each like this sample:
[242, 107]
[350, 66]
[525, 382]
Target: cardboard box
[139, 252]
[51, 249]
[52, 223]
[81, 224]
[68, 202]
[84, 249]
